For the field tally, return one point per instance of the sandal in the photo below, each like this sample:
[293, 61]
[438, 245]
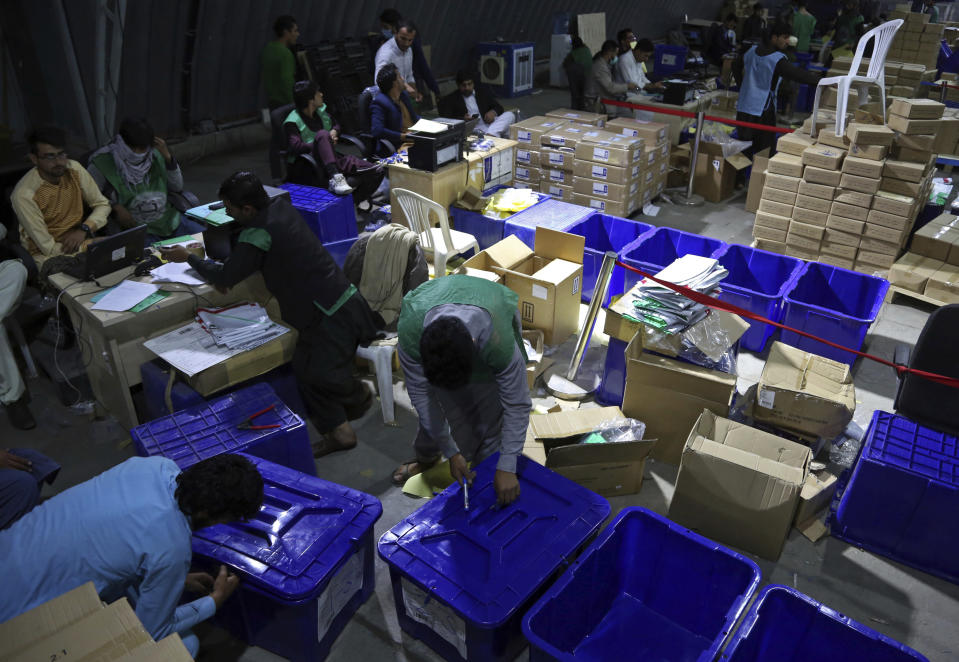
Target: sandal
[404, 472]
[328, 443]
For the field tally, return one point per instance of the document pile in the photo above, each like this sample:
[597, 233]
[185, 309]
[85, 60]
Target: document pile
[240, 327]
[671, 312]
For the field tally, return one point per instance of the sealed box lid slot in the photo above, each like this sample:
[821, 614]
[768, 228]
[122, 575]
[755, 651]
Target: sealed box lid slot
[645, 589]
[784, 624]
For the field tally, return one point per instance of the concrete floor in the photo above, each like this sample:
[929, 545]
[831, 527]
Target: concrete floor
[903, 603]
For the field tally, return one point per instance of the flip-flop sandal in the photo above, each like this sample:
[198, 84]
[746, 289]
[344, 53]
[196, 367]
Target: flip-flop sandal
[403, 474]
[327, 445]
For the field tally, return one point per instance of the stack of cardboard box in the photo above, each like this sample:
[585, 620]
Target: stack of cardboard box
[611, 173]
[528, 133]
[917, 40]
[931, 267]
[656, 150]
[851, 200]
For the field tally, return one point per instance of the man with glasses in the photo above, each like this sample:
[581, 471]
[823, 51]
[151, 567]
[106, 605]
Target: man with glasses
[49, 200]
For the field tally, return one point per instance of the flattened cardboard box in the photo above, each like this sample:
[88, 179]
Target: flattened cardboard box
[823, 156]
[912, 271]
[822, 176]
[43, 620]
[804, 392]
[669, 395]
[785, 164]
[794, 143]
[738, 485]
[610, 469]
[816, 190]
[530, 130]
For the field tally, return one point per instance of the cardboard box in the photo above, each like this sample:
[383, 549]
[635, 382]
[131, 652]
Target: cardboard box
[529, 175]
[894, 203]
[650, 156]
[934, 241]
[817, 204]
[168, 649]
[836, 261]
[651, 132]
[843, 224]
[557, 158]
[804, 393]
[912, 271]
[738, 485]
[530, 131]
[809, 244]
[854, 198]
[561, 177]
[782, 182]
[816, 190]
[926, 143]
[874, 152]
[757, 180]
[769, 233]
[716, 175]
[904, 170]
[771, 246]
[913, 127]
[794, 143]
[567, 135]
[245, 365]
[869, 134]
[810, 216]
[785, 164]
[776, 195]
[494, 167]
[943, 285]
[44, 620]
[806, 230]
[579, 116]
[921, 156]
[527, 156]
[610, 149]
[829, 137]
[823, 156]
[816, 494]
[953, 257]
[558, 191]
[605, 190]
[873, 245]
[832, 249]
[669, 395]
[924, 109]
[611, 469]
[548, 279]
[772, 220]
[849, 211]
[104, 634]
[902, 187]
[621, 208]
[833, 236]
[778, 208]
[883, 233]
[822, 176]
[802, 253]
[862, 167]
[861, 184]
[607, 173]
[893, 221]
[875, 261]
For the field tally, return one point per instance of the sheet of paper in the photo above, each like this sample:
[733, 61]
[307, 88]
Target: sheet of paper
[125, 296]
[432, 481]
[190, 349]
[428, 126]
[176, 272]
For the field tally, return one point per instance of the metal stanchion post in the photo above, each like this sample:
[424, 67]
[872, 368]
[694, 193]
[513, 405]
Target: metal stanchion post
[943, 88]
[688, 198]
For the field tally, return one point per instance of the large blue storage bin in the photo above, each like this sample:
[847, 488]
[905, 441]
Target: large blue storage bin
[645, 589]
[305, 563]
[552, 214]
[832, 303]
[613, 385]
[902, 496]
[605, 233]
[208, 429]
[656, 250]
[462, 580]
[757, 281]
[486, 230]
[331, 217]
[786, 625]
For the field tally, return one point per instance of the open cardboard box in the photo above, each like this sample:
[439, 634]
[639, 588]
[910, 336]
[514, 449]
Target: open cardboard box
[535, 368]
[610, 469]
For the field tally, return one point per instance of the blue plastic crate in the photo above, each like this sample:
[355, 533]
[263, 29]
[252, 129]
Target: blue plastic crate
[462, 580]
[486, 230]
[757, 281]
[784, 624]
[605, 233]
[613, 385]
[832, 303]
[901, 496]
[208, 429]
[331, 217]
[552, 214]
[669, 59]
[339, 249]
[656, 250]
[305, 563]
[645, 589]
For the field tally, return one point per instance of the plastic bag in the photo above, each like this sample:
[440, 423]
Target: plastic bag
[506, 202]
[716, 132]
[615, 431]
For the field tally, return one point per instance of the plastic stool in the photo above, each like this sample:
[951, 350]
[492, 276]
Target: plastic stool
[381, 356]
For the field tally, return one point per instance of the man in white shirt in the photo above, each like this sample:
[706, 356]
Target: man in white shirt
[631, 68]
[397, 50]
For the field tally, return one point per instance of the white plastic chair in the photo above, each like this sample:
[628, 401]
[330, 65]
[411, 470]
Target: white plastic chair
[381, 356]
[442, 242]
[876, 74]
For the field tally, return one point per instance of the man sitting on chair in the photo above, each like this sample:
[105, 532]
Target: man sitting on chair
[469, 102]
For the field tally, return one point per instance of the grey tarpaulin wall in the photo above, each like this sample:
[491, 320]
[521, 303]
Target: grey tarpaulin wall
[219, 43]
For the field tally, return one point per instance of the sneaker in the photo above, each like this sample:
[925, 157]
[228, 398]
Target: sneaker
[339, 186]
[19, 414]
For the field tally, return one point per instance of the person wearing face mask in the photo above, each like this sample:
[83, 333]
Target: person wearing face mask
[135, 172]
[759, 72]
[468, 102]
[600, 83]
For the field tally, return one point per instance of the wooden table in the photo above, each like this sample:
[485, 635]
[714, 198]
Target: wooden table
[677, 124]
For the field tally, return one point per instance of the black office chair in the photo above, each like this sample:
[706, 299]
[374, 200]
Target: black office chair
[925, 402]
[373, 148]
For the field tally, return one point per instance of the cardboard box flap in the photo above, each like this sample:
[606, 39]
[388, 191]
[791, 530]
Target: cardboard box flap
[506, 253]
[780, 454]
[794, 369]
[739, 161]
[565, 424]
[571, 455]
[49, 617]
[687, 378]
[555, 244]
[748, 459]
[556, 271]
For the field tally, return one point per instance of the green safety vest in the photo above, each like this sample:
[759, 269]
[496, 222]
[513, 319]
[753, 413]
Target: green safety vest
[499, 301]
[155, 181]
[306, 133]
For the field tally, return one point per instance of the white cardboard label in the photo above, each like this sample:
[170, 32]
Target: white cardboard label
[540, 292]
[522, 155]
[344, 585]
[600, 189]
[523, 173]
[600, 172]
[556, 158]
[557, 175]
[118, 254]
[600, 154]
[576, 285]
[767, 398]
[597, 204]
[524, 136]
[555, 190]
[439, 618]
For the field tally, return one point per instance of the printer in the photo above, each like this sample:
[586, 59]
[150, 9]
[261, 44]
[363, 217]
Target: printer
[431, 151]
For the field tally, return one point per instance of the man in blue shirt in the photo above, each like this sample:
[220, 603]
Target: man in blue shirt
[128, 531]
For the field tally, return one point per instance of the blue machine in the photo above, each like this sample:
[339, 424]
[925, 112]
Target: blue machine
[507, 68]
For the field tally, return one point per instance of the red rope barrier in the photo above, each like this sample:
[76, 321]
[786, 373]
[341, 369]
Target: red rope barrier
[712, 302]
[686, 113]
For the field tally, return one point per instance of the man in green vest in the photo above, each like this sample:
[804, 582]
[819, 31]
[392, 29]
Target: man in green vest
[135, 172]
[465, 367]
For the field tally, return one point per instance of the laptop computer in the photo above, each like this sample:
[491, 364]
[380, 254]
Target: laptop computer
[115, 252]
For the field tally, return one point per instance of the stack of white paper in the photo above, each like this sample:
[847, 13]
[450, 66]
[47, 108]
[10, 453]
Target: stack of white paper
[243, 326]
[669, 311]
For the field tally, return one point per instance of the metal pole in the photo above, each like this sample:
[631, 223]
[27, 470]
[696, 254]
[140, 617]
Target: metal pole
[942, 92]
[599, 294]
[688, 198]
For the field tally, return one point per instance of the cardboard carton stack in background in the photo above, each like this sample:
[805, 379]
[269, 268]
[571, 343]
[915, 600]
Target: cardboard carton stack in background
[528, 133]
[917, 40]
[611, 173]
[851, 200]
[657, 149]
[931, 267]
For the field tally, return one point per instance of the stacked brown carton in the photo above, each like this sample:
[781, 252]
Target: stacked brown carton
[931, 267]
[656, 151]
[609, 173]
[528, 133]
[917, 40]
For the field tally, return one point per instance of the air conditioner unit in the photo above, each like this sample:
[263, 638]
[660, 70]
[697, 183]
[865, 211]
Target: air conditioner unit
[508, 68]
